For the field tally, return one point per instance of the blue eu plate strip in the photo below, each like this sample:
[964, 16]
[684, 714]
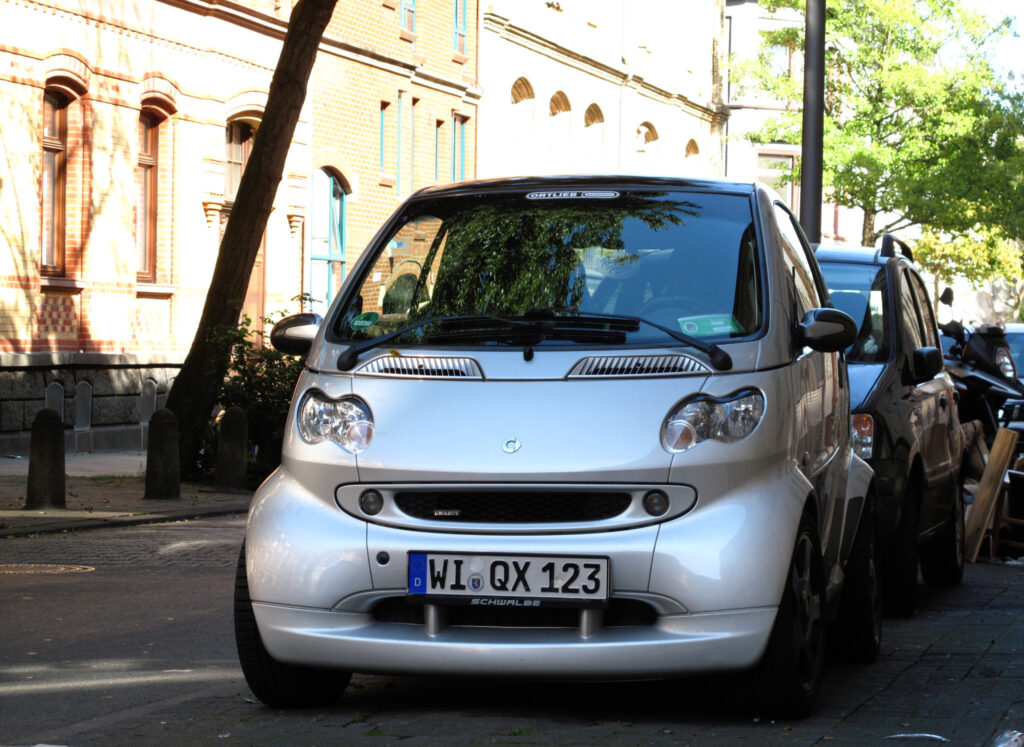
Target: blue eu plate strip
[417, 573]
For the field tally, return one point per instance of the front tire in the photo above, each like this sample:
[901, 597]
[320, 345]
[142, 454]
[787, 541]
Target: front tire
[942, 559]
[860, 608]
[899, 572]
[788, 679]
[277, 684]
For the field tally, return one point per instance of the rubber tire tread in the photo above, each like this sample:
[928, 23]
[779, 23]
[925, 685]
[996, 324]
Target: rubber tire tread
[941, 564]
[774, 687]
[859, 625]
[277, 684]
[899, 573]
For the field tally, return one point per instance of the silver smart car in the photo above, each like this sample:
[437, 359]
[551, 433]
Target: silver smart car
[575, 427]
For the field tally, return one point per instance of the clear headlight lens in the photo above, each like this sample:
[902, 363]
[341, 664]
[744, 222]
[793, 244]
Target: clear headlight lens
[346, 421]
[701, 418]
[1005, 362]
[862, 435]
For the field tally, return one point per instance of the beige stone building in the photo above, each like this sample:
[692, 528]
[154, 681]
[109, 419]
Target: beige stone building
[611, 86]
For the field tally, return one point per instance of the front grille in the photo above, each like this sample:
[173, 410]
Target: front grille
[637, 365]
[619, 613]
[512, 507]
[432, 366]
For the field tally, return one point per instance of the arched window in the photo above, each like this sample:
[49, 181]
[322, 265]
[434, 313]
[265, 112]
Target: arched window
[327, 238]
[645, 135]
[692, 148]
[522, 91]
[146, 188]
[238, 145]
[593, 116]
[559, 104]
[54, 187]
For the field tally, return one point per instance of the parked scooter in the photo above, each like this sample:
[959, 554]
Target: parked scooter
[983, 372]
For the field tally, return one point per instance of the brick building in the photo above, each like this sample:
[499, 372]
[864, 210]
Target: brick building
[124, 131]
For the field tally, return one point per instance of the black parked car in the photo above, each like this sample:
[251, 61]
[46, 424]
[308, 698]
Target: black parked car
[905, 417]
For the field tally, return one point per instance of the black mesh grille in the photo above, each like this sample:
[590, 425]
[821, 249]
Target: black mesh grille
[620, 612]
[512, 507]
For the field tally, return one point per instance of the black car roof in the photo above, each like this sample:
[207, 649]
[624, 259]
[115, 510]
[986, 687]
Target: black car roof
[585, 181]
[861, 254]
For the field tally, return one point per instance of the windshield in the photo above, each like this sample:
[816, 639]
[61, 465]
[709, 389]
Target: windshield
[685, 260]
[1016, 342]
[860, 291]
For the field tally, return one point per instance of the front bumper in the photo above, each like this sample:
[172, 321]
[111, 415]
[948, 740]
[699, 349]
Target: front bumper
[677, 644]
[712, 579]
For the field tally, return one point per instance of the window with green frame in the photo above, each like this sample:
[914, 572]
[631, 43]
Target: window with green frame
[458, 147]
[326, 239]
[408, 16]
[459, 28]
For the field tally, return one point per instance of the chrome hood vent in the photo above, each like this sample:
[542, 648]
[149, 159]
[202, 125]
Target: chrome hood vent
[637, 365]
[421, 366]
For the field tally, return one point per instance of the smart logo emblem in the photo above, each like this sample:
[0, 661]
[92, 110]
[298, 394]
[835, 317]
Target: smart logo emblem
[511, 446]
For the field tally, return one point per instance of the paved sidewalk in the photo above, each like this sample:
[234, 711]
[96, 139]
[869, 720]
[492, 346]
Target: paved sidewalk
[104, 489]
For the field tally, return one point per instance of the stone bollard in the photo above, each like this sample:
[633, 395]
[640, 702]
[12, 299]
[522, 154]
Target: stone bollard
[46, 462]
[232, 450]
[163, 476]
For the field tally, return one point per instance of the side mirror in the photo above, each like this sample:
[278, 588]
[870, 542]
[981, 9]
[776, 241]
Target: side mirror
[294, 334]
[927, 363]
[946, 299]
[827, 330]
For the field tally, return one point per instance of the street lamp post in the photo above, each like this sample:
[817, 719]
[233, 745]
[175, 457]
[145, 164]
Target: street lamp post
[813, 120]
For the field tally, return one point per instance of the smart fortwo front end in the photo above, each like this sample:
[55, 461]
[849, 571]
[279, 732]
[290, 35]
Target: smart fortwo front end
[567, 427]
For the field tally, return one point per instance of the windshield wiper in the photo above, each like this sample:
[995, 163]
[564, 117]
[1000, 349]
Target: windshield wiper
[351, 355]
[720, 359]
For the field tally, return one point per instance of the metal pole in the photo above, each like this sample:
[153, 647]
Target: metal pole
[813, 120]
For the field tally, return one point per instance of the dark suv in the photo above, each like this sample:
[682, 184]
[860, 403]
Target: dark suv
[904, 419]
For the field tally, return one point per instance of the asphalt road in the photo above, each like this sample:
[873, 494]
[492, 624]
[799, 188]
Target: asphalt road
[121, 636]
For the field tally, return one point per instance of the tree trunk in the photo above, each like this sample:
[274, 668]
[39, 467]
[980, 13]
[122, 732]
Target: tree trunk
[194, 394]
[867, 231]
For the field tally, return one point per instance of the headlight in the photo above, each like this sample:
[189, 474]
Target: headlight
[346, 421]
[1005, 362]
[700, 418]
[862, 435]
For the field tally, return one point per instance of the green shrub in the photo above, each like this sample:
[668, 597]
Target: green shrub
[260, 380]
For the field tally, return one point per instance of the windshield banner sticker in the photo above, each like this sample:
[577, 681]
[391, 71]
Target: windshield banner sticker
[573, 195]
[709, 324]
[365, 321]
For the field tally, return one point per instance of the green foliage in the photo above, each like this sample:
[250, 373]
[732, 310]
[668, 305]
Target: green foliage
[916, 123]
[979, 256]
[261, 381]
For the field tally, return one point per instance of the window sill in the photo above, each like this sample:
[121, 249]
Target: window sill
[406, 35]
[153, 290]
[390, 4]
[387, 181]
[459, 59]
[52, 284]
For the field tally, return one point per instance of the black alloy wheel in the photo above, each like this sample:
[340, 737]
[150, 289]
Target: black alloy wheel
[859, 624]
[899, 570]
[787, 682]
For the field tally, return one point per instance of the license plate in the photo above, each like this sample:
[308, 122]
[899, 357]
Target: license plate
[490, 579]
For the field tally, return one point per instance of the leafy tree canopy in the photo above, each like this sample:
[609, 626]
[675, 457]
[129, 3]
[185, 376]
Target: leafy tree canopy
[917, 125]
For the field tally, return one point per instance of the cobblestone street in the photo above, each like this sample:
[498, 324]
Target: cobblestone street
[140, 648]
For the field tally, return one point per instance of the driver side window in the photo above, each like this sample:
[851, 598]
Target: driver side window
[808, 295]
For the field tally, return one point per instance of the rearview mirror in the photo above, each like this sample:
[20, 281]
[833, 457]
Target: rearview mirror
[294, 334]
[827, 330]
[927, 363]
[946, 299]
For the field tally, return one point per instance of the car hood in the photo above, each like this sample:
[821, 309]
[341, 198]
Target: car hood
[863, 377]
[604, 430]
